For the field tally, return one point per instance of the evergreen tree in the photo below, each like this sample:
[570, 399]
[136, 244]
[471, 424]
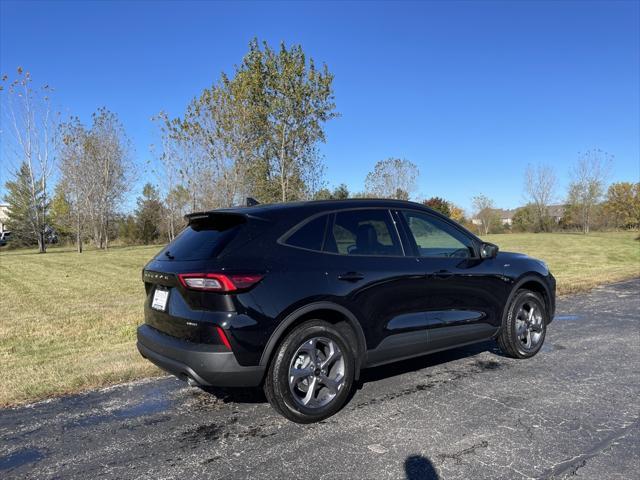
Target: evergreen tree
[26, 219]
[149, 214]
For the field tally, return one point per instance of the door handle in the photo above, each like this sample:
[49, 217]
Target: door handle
[351, 276]
[443, 274]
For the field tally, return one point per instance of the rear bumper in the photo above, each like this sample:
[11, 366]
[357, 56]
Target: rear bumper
[205, 364]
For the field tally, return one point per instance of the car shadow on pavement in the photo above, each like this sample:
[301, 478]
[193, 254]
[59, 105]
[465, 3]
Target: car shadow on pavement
[418, 467]
[425, 361]
[256, 395]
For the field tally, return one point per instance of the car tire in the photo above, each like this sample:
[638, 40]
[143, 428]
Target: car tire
[286, 377]
[524, 326]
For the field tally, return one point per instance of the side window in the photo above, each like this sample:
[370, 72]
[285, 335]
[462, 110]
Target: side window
[310, 235]
[363, 232]
[435, 238]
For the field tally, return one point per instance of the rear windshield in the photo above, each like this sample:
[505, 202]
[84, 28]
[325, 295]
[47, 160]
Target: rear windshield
[203, 239]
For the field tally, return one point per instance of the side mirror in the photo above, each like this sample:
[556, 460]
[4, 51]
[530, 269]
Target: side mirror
[488, 250]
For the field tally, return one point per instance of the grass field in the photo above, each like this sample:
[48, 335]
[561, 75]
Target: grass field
[67, 321]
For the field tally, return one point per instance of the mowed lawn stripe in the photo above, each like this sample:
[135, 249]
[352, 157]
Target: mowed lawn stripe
[68, 320]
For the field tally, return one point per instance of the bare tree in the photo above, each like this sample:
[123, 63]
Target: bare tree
[588, 184]
[484, 211]
[33, 124]
[392, 178]
[108, 150]
[74, 174]
[539, 185]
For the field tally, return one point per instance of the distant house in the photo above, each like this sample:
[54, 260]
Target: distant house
[4, 215]
[505, 216]
[556, 212]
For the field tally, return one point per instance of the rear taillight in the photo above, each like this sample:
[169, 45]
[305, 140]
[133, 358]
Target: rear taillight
[218, 282]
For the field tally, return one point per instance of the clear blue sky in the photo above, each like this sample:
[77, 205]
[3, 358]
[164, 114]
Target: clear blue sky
[469, 91]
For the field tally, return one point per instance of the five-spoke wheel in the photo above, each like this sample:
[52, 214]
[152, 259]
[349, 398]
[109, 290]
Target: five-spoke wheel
[524, 326]
[311, 376]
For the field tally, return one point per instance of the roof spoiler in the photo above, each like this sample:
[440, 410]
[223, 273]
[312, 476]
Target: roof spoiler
[220, 216]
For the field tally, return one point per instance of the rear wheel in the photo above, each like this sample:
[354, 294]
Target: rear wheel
[525, 326]
[312, 373]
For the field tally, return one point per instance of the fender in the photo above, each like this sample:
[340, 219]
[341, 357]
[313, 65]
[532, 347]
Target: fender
[290, 319]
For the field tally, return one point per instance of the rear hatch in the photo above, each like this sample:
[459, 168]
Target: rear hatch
[172, 305]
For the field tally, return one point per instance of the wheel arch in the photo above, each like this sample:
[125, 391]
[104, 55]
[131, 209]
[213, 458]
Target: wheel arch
[328, 311]
[533, 283]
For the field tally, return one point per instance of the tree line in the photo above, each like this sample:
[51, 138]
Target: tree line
[252, 133]
[586, 205]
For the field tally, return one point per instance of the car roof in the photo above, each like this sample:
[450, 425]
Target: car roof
[320, 205]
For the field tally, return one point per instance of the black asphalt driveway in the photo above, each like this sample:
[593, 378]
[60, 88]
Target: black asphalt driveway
[573, 410]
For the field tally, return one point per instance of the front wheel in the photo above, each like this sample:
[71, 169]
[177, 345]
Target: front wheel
[311, 376]
[523, 330]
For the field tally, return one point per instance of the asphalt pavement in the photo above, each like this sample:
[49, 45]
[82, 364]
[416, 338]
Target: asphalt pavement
[571, 411]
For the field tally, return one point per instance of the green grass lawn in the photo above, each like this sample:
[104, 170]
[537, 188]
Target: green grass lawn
[68, 321]
[577, 261]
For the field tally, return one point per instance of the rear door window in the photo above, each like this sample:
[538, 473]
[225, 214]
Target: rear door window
[363, 232]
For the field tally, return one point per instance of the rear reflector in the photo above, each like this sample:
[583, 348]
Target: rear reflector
[218, 282]
[223, 337]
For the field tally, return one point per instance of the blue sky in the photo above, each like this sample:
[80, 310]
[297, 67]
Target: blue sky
[469, 91]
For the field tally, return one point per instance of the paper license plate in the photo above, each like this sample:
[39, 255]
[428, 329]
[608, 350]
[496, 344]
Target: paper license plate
[160, 297]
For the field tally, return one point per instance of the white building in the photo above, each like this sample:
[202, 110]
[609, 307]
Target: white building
[4, 215]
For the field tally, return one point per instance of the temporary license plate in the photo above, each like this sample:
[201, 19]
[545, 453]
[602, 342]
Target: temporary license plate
[160, 297]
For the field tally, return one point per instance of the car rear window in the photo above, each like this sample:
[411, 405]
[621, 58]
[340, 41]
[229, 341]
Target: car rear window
[310, 235]
[203, 239]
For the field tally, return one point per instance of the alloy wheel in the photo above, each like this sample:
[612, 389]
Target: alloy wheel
[529, 325]
[316, 372]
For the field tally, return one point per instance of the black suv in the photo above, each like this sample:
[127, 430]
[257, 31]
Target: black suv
[299, 297]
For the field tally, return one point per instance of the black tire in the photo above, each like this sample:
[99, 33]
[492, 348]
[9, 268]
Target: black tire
[508, 340]
[276, 385]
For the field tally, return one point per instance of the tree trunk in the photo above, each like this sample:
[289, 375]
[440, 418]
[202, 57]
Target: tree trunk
[42, 247]
[106, 234]
[78, 234]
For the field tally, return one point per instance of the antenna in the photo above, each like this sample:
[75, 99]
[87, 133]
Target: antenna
[250, 202]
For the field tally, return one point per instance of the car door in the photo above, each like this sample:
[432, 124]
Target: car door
[369, 273]
[463, 293]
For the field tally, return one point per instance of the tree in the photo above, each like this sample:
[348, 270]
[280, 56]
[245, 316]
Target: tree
[622, 204]
[149, 215]
[176, 203]
[33, 124]
[299, 101]
[256, 133]
[96, 170]
[587, 186]
[524, 219]
[485, 213]
[75, 183]
[539, 185]
[61, 213]
[24, 208]
[341, 192]
[438, 204]
[107, 150]
[456, 213]
[392, 178]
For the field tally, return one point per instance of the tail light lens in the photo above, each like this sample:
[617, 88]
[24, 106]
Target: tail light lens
[218, 282]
